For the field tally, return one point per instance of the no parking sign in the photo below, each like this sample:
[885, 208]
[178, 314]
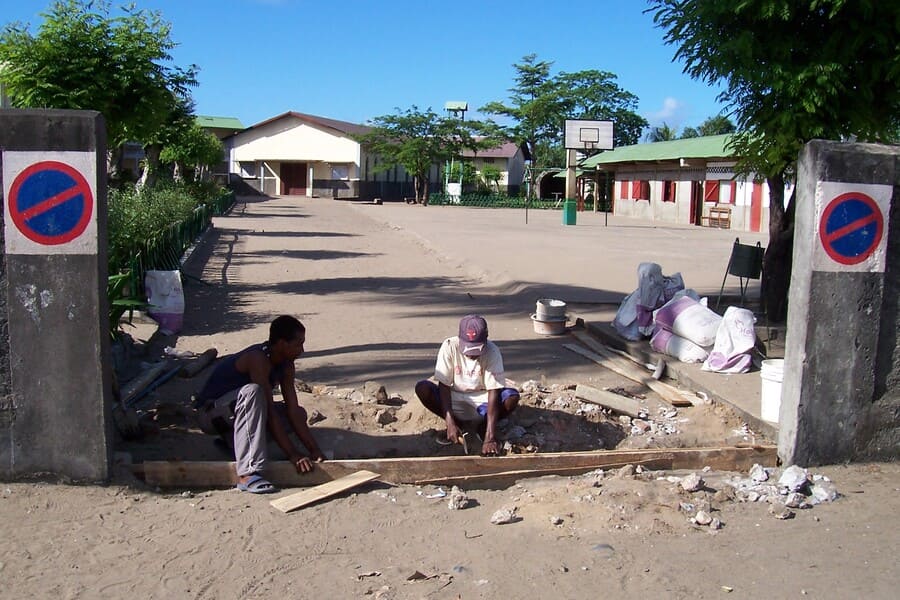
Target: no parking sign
[49, 202]
[850, 222]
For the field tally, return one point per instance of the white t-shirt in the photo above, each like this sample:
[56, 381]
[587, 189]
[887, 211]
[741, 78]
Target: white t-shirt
[469, 379]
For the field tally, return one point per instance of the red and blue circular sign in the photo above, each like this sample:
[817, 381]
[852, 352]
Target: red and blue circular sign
[51, 203]
[851, 227]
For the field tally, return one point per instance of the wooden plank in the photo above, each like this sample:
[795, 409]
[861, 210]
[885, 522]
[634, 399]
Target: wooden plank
[620, 404]
[665, 391]
[169, 474]
[322, 491]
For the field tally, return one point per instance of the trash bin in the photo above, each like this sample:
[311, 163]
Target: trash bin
[569, 212]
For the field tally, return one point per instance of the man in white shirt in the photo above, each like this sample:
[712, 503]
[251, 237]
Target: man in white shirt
[471, 386]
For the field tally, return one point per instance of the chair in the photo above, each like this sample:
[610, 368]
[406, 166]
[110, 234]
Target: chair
[745, 263]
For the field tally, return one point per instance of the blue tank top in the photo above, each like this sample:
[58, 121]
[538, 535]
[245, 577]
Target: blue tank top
[225, 377]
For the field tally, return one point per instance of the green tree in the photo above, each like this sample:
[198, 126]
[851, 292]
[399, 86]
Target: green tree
[539, 103]
[595, 95]
[489, 178]
[661, 133]
[535, 104]
[83, 57]
[793, 71]
[417, 140]
[193, 151]
[716, 125]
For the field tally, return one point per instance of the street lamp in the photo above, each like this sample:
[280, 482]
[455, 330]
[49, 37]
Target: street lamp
[458, 109]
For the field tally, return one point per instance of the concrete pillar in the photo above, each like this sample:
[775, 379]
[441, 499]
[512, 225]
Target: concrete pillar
[841, 383]
[54, 408]
[571, 174]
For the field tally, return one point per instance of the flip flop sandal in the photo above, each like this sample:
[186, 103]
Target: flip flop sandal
[257, 485]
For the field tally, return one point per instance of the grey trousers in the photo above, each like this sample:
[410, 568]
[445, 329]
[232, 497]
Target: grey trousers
[250, 435]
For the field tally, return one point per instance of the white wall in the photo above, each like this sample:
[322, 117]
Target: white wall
[290, 139]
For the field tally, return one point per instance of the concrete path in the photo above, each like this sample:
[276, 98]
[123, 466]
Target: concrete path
[380, 286]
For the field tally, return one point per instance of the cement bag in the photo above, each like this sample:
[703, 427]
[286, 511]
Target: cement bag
[689, 319]
[735, 339]
[650, 295]
[684, 350]
[625, 322]
[166, 299]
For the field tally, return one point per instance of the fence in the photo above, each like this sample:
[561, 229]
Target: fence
[165, 251]
[493, 201]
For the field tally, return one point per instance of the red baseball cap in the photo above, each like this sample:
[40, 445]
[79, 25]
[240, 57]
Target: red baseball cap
[473, 333]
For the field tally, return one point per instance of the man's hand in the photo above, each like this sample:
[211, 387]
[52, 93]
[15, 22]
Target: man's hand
[490, 448]
[302, 463]
[452, 431]
[317, 456]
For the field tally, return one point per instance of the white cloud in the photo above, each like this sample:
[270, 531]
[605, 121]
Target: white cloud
[672, 113]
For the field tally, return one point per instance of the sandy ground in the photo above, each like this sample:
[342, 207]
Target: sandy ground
[378, 291]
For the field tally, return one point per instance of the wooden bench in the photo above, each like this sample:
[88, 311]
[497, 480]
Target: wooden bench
[720, 217]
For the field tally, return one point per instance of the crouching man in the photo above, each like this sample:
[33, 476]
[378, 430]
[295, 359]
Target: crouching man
[236, 403]
[471, 385]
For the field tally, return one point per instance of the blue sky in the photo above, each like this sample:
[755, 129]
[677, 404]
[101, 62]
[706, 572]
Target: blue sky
[357, 59]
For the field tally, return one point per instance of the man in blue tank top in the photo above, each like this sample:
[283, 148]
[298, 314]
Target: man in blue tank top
[238, 395]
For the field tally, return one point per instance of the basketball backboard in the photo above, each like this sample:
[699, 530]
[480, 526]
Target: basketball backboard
[587, 136]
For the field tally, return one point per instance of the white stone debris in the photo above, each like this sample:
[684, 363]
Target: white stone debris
[702, 518]
[780, 511]
[555, 520]
[793, 478]
[458, 499]
[531, 387]
[758, 473]
[504, 516]
[795, 500]
[823, 491]
[692, 483]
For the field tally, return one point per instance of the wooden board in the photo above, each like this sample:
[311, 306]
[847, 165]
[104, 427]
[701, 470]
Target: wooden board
[179, 474]
[624, 368]
[322, 491]
[620, 404]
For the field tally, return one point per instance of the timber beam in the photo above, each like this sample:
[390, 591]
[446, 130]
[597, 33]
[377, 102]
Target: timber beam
[474, 471]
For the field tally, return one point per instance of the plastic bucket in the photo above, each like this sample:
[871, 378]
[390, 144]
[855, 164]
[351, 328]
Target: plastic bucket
[550, 310]
[771, 373]
[553, 327]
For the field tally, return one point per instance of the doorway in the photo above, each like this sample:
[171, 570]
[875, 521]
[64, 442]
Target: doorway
[293, 179]
[696, 203]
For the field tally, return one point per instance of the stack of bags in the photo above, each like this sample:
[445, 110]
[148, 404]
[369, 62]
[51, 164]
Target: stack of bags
[681, 325]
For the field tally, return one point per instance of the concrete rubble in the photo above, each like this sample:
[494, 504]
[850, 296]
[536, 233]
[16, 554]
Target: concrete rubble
[458, 499]
[505, 516]
[794, 489]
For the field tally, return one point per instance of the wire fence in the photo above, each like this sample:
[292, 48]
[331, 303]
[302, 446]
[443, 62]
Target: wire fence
[165, 251]
[494, 201]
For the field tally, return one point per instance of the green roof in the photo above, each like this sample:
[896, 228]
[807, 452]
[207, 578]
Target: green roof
[219, 122]
[711, 146]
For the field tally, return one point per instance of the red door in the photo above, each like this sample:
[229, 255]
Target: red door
[756, 207]
[293, 179]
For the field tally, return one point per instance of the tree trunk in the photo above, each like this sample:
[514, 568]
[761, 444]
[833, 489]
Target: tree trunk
[151, 165]
[777, 261]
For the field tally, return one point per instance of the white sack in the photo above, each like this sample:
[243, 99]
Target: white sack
[166, 299]
[684, 350]
[735, 339]
[689, 319]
